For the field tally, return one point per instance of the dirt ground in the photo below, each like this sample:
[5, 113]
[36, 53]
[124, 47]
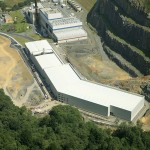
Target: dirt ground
[146, 122]
[93, 68]
[15, 78]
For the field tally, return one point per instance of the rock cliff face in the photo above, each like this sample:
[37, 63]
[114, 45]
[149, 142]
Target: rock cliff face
[135, 10]
[140, 85]
[125, 30]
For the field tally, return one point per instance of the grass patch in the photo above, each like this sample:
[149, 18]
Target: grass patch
[19, 16]
[87, 4]
[36, 36]
[19, 21]
[21, 27]
[147, 5]
[7, 27]
[11, 3]
[21, 40]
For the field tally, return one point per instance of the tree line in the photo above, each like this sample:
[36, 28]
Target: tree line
[16, 6]
[22, 4]
[63, 129]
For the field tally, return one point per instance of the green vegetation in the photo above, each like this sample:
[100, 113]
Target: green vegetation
[142, 3]
[7, 27]
[11, 3]
[17, 4]
[36, 36]
[19, 21]
[19, 24]
[2, 6]
[21, 40]
[18, 15]
[63, 129]
[147, 5]
[14, 4]
[87, 4]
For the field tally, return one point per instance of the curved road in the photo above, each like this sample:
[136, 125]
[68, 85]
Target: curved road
[24, 36]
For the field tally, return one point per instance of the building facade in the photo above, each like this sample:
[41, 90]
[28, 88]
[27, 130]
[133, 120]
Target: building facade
[69, 88]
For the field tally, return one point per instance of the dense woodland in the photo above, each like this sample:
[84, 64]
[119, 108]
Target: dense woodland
[63, 129]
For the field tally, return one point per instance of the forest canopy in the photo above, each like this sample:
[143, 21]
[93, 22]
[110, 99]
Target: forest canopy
[62, 129]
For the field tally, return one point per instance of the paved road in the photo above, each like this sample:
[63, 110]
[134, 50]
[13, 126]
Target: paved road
[21, 35]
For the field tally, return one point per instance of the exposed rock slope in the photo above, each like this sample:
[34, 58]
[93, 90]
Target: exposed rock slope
[124, 28]
[140, 85]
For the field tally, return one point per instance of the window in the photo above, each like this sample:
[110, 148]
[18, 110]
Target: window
[46, 25]
[112, 114]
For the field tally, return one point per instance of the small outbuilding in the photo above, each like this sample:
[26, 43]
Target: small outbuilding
[8, 19]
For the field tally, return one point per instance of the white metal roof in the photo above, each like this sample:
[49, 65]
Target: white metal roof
[38, 47]
[66, 81]
[50, 13]
[70, 33]
[48, 60]
[65, 23]
[63, 73]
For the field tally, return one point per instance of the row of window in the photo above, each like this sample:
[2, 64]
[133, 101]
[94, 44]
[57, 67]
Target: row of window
[62, 98]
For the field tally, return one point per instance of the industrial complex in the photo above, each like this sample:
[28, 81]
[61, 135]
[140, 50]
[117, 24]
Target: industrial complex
[68, 87]
[59, 25]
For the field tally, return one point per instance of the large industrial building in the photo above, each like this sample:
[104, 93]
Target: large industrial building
[56, 24]
[69, 88]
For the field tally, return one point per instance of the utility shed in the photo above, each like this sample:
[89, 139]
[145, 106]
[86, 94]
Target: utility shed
[66, 35]
[93, 97]
[8, 19]
[38, 47]
[64, 23]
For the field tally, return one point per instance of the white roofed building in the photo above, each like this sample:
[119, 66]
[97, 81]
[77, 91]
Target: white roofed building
[64, 23]
[50, 13]
[70, 35]
[93, 97]
[45, 61]
[59, 28]
[39, 47]
[52, 19]
[69, 88]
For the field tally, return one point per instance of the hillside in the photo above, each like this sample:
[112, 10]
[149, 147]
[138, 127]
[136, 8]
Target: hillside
[141, 3]
[123, 24]
[140, 85]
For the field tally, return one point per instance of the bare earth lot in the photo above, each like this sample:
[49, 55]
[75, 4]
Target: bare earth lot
[15, 78]
[93, 68]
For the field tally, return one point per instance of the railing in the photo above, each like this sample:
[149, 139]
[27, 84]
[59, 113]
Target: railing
[11, 38]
